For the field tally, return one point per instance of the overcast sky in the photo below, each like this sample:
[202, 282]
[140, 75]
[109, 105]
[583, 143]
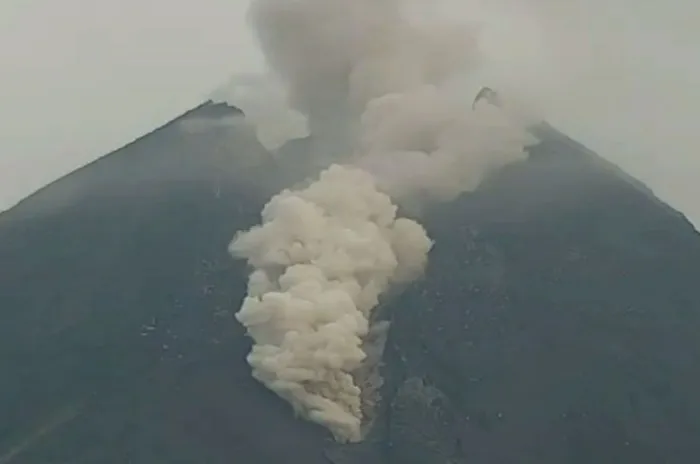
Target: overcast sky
[79, 78]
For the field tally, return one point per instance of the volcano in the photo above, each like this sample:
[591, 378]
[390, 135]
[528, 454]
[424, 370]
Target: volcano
[557, 321]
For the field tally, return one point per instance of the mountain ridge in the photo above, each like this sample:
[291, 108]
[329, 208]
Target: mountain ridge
[208, 108]
[556, 322]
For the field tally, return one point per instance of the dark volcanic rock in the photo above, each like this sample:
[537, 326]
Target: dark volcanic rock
[422, 425]
[560, 316]
[557, 322]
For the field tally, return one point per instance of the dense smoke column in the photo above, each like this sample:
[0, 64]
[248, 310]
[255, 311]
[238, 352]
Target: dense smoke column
[322, 258]
[383, 97]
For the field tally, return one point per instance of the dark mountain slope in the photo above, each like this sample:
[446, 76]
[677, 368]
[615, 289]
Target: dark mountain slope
[557, 322]
[567, 328]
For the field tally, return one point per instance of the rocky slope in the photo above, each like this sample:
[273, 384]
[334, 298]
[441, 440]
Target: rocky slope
[557, 321]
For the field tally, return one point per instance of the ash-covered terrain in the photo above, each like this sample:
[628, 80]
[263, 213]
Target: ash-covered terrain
[556, 321]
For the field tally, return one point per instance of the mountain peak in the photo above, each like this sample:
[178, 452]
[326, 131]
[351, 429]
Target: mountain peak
[557, 320]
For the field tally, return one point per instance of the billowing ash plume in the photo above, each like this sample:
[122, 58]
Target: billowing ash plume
[383, 96]
[322, 258]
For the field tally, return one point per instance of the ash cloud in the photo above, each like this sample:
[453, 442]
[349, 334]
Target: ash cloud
[383, 93]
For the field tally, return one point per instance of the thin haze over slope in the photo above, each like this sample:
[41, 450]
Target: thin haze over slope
[617, 75]
[382, 96]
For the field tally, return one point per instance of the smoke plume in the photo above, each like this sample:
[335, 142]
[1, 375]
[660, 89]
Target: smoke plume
[385, 101]
[322, 258]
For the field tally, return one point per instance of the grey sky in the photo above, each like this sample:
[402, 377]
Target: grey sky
[81, 77]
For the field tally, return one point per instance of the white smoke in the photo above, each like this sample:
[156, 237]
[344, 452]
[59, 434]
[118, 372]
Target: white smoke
[430, 143]
[263, 102]
[384, 95]
[322, 258]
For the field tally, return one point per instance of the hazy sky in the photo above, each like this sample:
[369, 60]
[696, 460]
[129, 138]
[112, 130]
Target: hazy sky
[81, 77]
